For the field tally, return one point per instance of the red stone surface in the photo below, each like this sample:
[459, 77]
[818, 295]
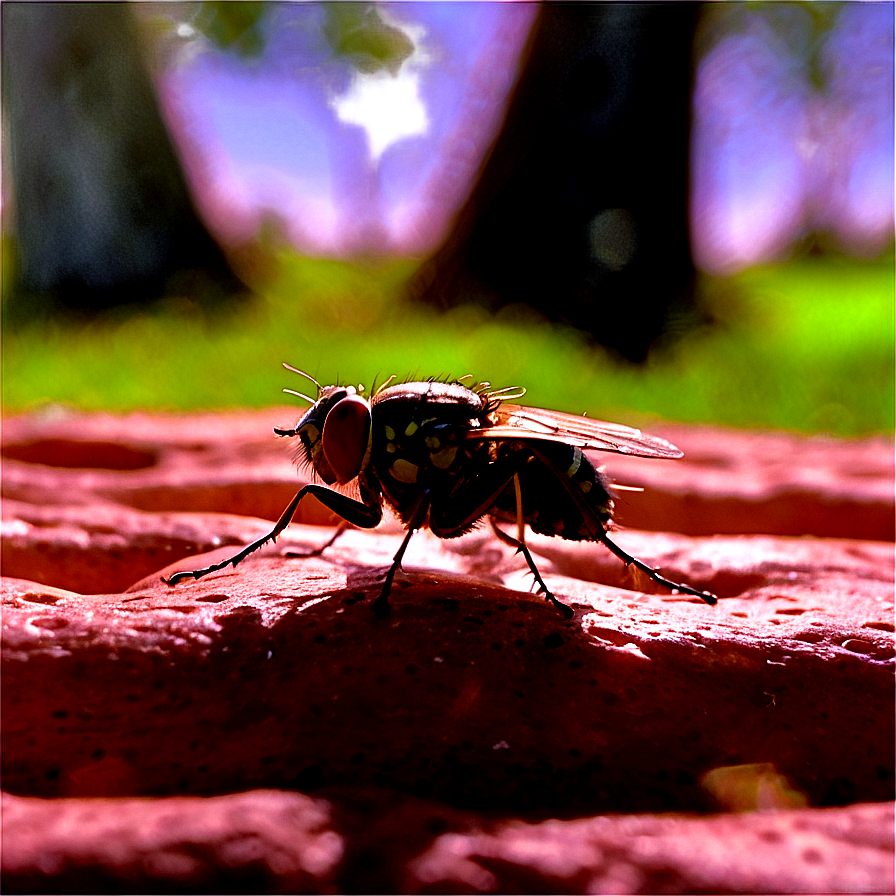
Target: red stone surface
[251, 842]
[272, 841]
[473, 694]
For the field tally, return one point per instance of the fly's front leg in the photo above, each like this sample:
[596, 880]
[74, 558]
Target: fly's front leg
[362, 515]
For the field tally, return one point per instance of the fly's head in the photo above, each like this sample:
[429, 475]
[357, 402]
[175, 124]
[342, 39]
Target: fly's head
[335, 433]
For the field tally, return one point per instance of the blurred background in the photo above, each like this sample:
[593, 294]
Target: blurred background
[649, 210]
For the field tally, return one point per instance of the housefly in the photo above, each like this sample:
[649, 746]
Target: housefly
[446, 455]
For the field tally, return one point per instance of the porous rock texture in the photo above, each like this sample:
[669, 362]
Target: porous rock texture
[262, 730]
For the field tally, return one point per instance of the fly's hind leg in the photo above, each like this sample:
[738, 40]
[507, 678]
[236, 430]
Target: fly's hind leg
[598, 532]
[651, 573]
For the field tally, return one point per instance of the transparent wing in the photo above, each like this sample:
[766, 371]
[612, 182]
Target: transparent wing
[520, 423]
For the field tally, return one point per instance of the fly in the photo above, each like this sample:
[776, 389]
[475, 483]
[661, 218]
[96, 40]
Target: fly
[445, 455]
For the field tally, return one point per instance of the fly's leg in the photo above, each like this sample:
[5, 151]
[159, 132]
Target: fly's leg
[355, 512]
[476, 497]
[599, 533]
[520, 544]
[521, 548]
[415, 521]
[651, 573]
[520, 520]
[316, 552]
[381, 604]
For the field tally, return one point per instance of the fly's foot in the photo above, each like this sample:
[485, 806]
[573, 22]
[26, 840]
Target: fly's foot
[547, 594]
[381, 606]
[176, 577]
[566, 612]
[196, 574]
[540, 587]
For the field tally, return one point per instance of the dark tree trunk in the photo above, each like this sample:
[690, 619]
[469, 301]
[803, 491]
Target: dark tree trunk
[103, 215]
[581, 209]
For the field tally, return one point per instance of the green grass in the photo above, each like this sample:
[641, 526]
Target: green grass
[807, 346]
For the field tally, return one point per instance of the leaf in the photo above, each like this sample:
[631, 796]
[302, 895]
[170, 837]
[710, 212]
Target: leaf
[356, 31]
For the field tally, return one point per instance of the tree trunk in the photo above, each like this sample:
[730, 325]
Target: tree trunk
[581, 207]
[103, 215]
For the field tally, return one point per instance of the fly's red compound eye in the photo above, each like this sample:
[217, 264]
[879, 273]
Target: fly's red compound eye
[346, 438]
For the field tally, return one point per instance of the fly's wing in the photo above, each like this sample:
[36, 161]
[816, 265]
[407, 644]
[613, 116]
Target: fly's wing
[521, 423]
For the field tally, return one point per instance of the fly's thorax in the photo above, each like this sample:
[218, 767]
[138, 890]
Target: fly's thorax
[450, 399]
[412, 452]
[419, 437]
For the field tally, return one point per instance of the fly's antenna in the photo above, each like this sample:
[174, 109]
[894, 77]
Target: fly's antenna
[307, 398]
[307, 377]
[302, 373]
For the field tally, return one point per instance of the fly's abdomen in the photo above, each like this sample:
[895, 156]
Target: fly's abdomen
[562, 492]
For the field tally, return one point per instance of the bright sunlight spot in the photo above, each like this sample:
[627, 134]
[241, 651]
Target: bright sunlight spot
[388, 108]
